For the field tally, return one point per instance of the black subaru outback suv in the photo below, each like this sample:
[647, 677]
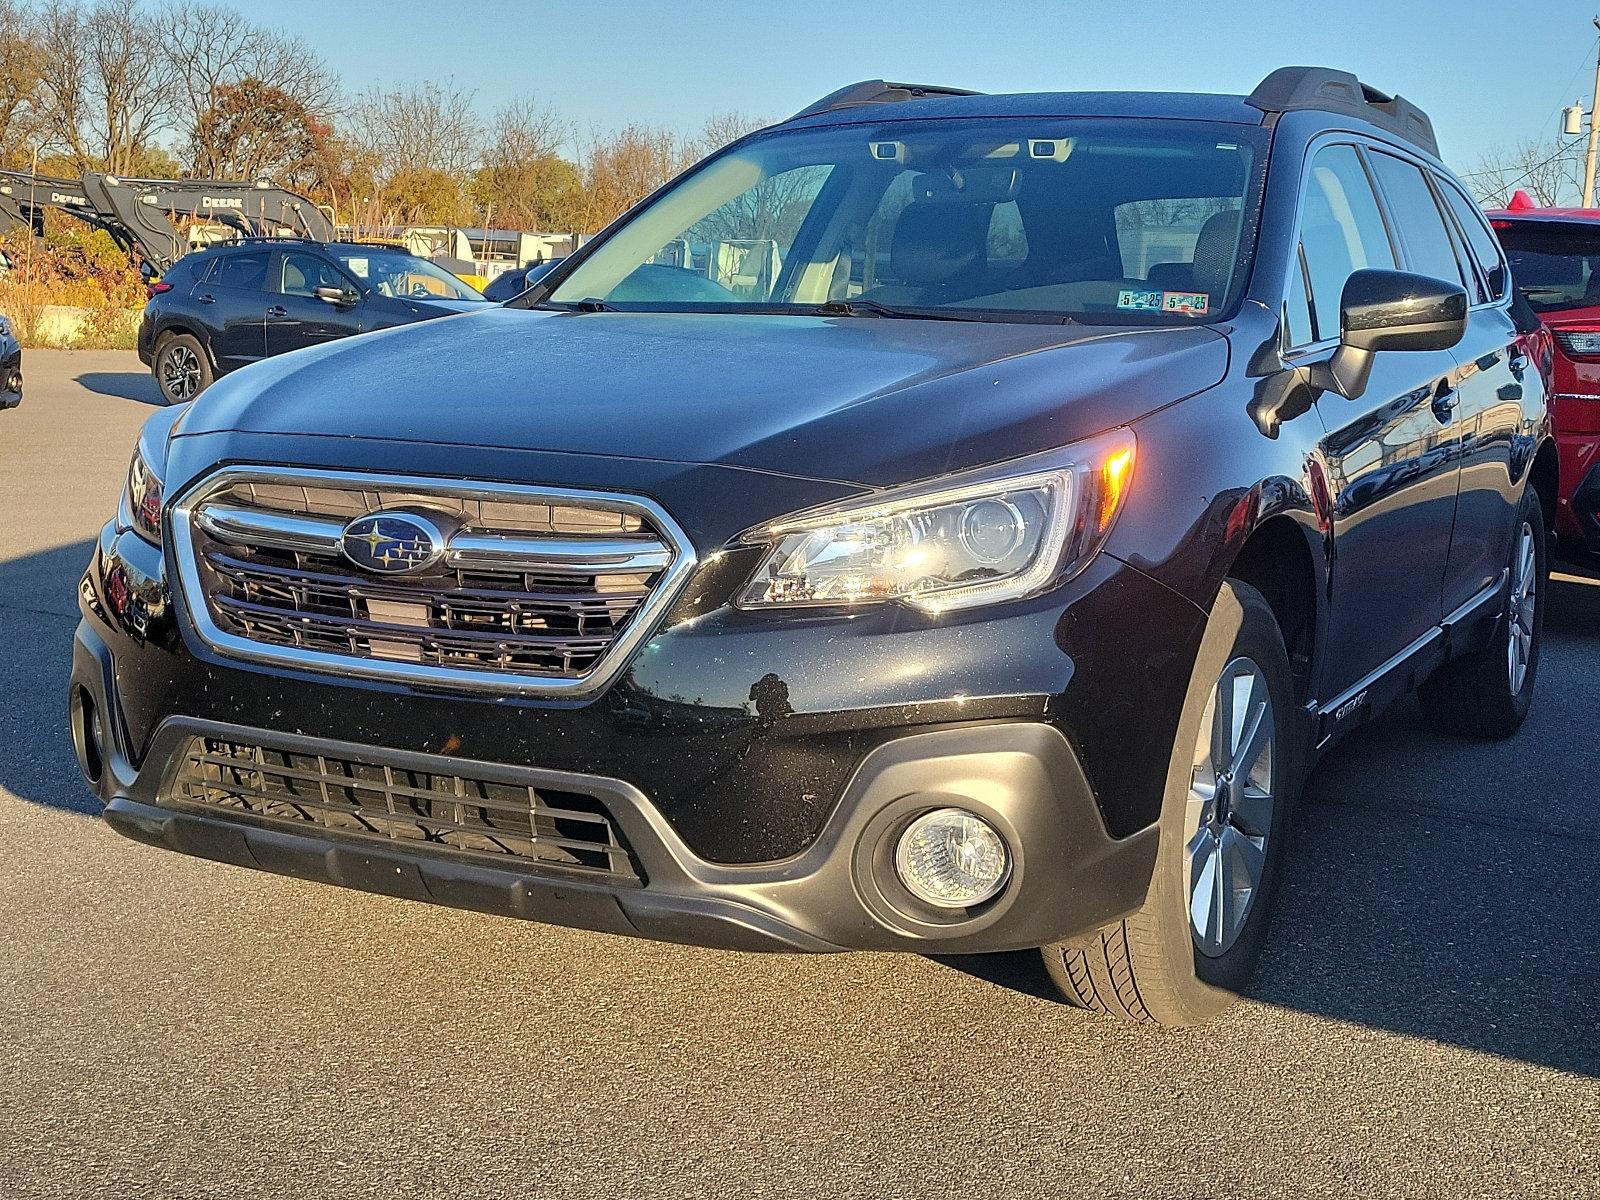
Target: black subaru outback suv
[940, 522]
[228, 306]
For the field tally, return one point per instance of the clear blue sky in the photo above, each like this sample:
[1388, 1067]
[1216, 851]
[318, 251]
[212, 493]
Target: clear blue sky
[1489, 71]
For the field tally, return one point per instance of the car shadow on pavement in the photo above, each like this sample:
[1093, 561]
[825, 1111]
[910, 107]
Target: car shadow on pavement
[124, 385]
[38, 599]
[1441, 888]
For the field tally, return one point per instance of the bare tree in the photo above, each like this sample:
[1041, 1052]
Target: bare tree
[211, 48]
[64, 77]
[20, 101]
[720, 130]
[107, 82]
[620, 169]
[524, 178]
[426, 126]
[132, 83]
[1550, 175]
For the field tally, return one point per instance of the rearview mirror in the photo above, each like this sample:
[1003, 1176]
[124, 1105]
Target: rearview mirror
[337, 296]
[1390, 310]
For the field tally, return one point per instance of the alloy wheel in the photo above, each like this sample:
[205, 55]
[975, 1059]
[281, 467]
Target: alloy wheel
[180, 373]
[1521, 608]
[1229, 813]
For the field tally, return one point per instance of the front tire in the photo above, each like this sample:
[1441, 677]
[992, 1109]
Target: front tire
[1487, 694]
[1232, 783]
[182, 368]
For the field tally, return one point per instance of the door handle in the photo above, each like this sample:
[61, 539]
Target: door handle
[207, 298]
[1444, 401]
[277, 310]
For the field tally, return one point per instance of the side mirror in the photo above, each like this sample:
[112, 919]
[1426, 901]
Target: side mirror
[337, 296]
[1390, 310]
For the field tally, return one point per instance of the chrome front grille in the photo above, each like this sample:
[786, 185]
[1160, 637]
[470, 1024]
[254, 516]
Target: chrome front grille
[365, 798]
[534, 590]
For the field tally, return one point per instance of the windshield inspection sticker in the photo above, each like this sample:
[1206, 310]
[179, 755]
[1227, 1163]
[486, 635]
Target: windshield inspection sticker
[1194, 303]
[1140, 300]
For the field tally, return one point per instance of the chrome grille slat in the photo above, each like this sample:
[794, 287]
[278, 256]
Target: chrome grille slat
[264, 528]
[538, 590]
[390, 589]
[377, 800]
[563, 555]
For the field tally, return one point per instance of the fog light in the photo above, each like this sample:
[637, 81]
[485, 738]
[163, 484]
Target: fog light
[952, 859]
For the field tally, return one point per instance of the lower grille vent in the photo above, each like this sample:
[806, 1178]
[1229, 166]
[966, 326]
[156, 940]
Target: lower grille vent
[480, 817]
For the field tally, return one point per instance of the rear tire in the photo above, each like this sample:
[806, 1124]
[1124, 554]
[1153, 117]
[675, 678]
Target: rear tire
[1194, 945]
[181, 367]
[1487, 694]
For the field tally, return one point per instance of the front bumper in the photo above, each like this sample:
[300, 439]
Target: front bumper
[756, 765]
[1068, 875]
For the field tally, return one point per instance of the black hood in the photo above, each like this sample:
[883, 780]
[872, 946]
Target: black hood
[870, 401]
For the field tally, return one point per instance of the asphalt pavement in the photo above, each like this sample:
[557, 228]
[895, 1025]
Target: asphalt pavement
[1426, 1024]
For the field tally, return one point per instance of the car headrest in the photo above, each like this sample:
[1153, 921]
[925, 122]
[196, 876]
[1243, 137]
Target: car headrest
[933, 243]
[1175, 276]
[1214, 254]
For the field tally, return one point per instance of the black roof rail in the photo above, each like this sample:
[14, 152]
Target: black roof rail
[1324, 89]
[877, 91]
[271, 237]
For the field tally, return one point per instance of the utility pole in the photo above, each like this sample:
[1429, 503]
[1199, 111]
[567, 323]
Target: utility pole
[1594, 135]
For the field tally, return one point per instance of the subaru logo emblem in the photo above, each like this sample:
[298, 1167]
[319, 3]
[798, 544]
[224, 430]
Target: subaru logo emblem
[392, 543]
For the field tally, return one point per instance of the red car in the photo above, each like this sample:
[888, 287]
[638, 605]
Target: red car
[1555, 264]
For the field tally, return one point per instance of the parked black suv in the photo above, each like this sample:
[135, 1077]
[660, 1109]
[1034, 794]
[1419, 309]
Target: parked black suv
[940, 522]
[221, 308]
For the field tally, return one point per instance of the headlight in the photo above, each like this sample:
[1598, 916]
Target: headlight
[141, 502]
[990, 535]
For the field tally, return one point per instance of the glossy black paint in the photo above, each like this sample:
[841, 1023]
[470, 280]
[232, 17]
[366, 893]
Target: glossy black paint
[1371, 521]
[1397, 310]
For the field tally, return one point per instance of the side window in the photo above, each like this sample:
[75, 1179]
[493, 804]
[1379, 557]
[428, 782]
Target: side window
[247, 272]
[1484, 245]
[303, 274]
[1429, 248]
[1341, 231]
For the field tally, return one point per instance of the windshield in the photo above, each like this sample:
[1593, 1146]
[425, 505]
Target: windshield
[396, 273]
[1109, 221]
[1555, 266]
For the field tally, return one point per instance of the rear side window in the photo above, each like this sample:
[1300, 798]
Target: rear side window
[1341, 231]
[1429, 248]
[247, 272]
[1485, 248]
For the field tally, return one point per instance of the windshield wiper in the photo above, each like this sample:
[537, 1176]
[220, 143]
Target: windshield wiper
[592, 304]
[873, 308]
